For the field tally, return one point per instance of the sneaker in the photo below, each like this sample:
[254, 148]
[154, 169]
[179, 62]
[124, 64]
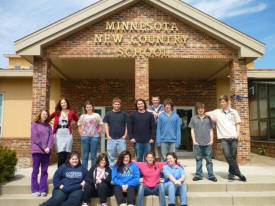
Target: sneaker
[213, 179]
[103, 204]
[43, 194]
[196, 179]
[242, 178]
[36, 194]
[231, 177]
[84, 204]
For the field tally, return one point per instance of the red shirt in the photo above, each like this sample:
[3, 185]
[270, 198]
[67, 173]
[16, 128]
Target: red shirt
[71, 116]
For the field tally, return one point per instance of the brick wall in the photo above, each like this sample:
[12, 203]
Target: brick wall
[268, 146]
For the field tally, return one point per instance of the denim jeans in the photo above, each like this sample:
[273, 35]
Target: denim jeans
[172, 190]
[44, 160]
[89, 144]
[229, 147]
[145, 191]
[206, 153]
[115, 146]
[141, 149]
[166, 147]
[60, 198]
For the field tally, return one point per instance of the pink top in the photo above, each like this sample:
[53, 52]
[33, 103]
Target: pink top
[151, 173]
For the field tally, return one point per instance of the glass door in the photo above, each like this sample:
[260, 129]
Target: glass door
[185, 114]
[102, 142]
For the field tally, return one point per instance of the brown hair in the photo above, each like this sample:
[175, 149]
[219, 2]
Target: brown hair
[168, 101]
[58, 107]
[120, 158]
[156, 97]
[142, 100]
[173, 154]
[70, 155]
[223, 97]
[200, 105]
[37, 118]
[88, 103]
[116, 99]
[151, 153]
[101, 157]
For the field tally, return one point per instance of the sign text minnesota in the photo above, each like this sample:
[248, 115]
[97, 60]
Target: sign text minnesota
[153, 37]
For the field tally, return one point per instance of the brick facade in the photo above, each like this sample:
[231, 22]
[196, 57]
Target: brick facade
[269, 148]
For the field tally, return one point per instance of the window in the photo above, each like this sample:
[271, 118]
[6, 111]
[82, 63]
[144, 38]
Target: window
[1, 112]
[262, 110]
[17, 67]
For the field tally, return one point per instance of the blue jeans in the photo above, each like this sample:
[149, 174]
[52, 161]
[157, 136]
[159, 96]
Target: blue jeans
[166, 147]
[89, 144]
[172, 190]
[141, 149]
[60, 198]
[206, 153]
[145, 191]
[115, 146]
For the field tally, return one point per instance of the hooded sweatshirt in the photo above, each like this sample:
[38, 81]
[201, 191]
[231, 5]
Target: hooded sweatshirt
[70, 177]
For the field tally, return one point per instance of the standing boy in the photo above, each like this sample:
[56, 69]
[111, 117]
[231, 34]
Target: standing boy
[141, 128]
[228, 131]
[115, 123]
[168, 130]
[202, 136]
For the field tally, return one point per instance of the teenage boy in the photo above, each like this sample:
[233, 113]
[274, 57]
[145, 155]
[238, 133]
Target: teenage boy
[115, 123]
[228, 131]
[141, 129]
[202, 136]
[168, 130]
[156, 108]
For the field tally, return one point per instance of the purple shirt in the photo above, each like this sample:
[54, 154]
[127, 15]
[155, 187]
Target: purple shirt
[41, 137]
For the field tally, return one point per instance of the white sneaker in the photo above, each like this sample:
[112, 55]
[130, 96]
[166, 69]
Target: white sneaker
[36, 194]
[43, 194]
[84, 204]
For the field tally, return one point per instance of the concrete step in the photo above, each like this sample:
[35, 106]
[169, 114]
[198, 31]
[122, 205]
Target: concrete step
[200, 186]
[264, 198]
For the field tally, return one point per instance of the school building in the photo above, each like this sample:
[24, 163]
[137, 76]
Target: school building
[132, 49]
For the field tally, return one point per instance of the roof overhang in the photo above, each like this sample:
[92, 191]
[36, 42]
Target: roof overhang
[32, 44]
[11, 73]
[261, 74]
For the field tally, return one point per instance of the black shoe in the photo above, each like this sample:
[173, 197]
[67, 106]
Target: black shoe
[171, 204]
[183, 205]
[196, 179]
[213, 179]
[242, 178]
[231, 177]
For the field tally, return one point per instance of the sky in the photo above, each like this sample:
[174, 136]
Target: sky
[256, 18]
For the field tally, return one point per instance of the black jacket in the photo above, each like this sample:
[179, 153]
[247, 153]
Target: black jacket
[91, 176]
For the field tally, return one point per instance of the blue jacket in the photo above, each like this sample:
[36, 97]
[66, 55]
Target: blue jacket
[168, 129]
[70, 177]
[129, 176]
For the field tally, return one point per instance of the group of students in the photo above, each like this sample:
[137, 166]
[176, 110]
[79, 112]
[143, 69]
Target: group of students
[156, 124]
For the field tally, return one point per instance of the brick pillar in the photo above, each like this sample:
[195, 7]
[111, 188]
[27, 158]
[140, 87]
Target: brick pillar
[239, 87]
[40, 85]
[142, 78]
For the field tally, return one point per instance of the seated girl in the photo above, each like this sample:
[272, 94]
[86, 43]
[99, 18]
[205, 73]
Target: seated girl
[68, 183]
[151, 171]
[174, 183]
[125, 176]
[98, 181]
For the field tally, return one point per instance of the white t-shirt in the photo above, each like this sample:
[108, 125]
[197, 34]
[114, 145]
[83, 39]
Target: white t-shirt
[226, 122]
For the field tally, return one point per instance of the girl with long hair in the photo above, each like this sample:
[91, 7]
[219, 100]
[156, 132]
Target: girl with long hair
[63, 117]
[98, 181]
[125, 176]
[41, 146]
